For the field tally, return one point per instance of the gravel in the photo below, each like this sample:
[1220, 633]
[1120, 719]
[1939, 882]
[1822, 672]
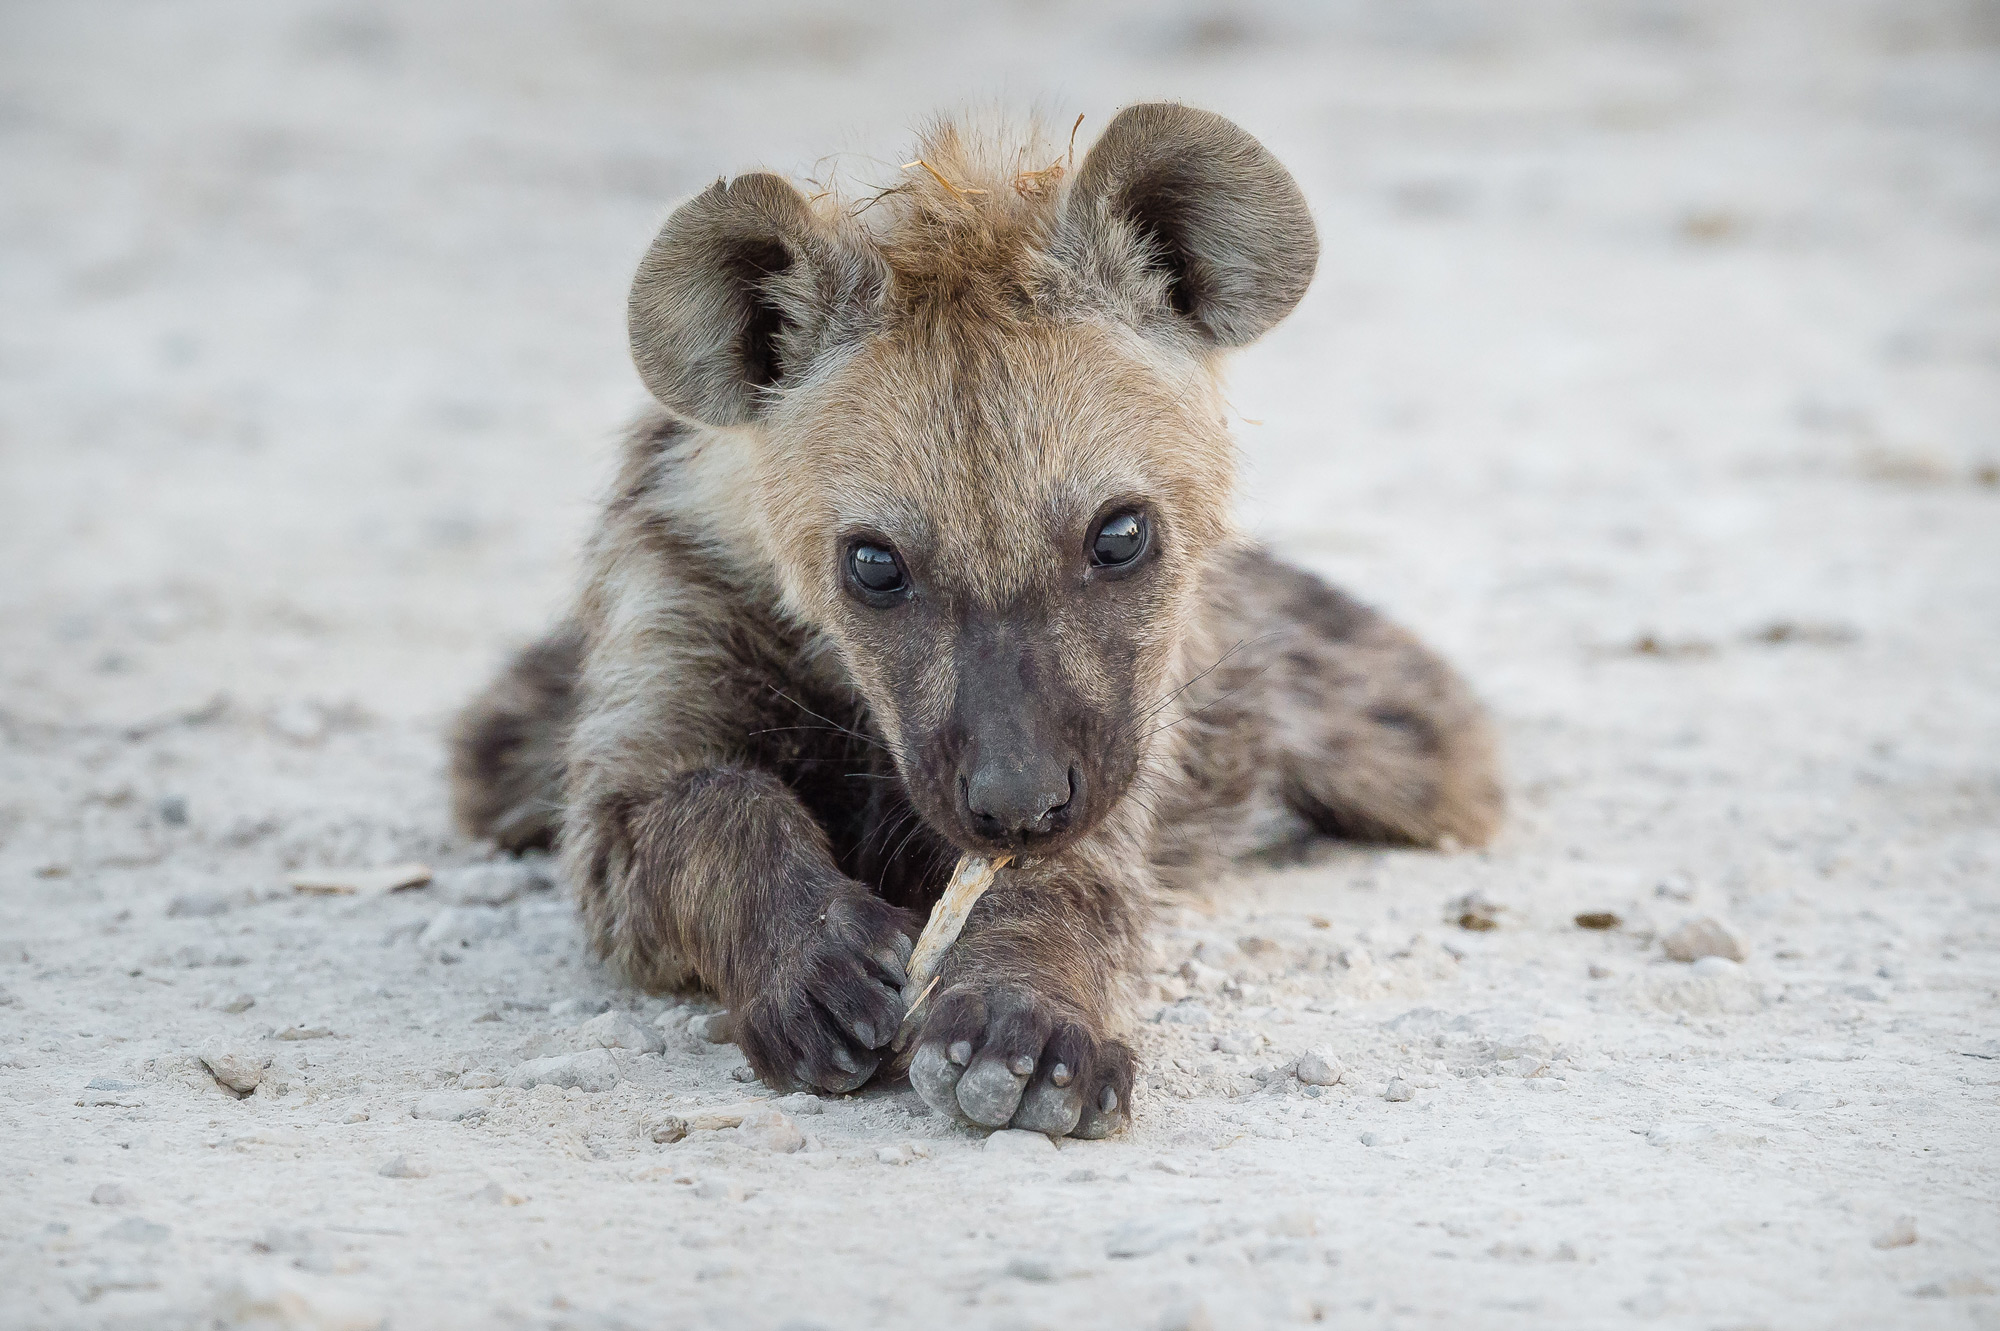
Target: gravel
[1399, 1090]
[619, 1030]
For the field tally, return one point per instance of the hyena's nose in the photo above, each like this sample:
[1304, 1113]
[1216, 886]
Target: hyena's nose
[1010, 799]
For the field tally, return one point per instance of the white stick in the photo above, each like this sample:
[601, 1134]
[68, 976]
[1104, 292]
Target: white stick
[975, 873]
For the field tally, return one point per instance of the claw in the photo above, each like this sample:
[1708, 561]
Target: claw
[961, 1052]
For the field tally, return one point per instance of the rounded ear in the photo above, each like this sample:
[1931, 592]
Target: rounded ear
[1216, 219]
[742, 289]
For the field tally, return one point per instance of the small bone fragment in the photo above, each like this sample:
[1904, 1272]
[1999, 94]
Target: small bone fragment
[360, 882]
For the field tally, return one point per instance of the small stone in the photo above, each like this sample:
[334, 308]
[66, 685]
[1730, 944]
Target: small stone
[500, 1190]
[1238, 1042]
[592, 1070]
[1019, 1141]
[745, 1074]
[1703, 937]
[449, 1106]
[234, 1069]
[578, 1007]
[1961, 1287]
[173, 811]
[1186, 1014]
[136, 1229]
[771, 1130]
[1369, 1138]
[111, 1091]
[666, 1129]
[1601, 972]
[1712, 967]
[462, 926]
[1319, 1067]
[1477, 912]
[304, 1030]
[355, 1116]
[110, 1194]
[1192, 1316]
[1900, 1233]
[618, 1030]
[899, 1154]
[1399, 1090]
[1598, 919]
[479, 1081]
[493, 884]
[712, 1027]
[239, 1003]
[801, 1104]
[403, 1166]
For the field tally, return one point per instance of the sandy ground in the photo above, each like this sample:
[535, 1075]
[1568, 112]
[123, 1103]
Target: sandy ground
[1653, 369]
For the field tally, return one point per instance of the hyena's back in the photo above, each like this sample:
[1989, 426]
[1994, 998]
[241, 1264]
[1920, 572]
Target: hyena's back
[507, 746]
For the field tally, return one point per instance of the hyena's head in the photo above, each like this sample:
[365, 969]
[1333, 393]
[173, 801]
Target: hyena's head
[981, 422]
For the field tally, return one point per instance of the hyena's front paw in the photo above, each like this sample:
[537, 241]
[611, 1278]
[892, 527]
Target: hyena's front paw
[830, 1005]
[1002, 1056]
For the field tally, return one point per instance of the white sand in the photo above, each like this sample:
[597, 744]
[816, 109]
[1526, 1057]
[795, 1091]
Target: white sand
[1633, 319]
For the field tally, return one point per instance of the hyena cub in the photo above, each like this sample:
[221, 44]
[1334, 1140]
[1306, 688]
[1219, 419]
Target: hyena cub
[931, 551]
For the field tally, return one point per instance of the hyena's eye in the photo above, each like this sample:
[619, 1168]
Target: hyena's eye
[876, 572]
[1120, 540]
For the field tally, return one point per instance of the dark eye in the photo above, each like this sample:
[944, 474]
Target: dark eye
[875, 569]
[1119, 540]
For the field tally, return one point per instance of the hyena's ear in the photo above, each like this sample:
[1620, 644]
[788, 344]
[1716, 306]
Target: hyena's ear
[1182, 209]
[742, 289]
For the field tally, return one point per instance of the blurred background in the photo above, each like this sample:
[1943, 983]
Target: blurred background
[1643, 321]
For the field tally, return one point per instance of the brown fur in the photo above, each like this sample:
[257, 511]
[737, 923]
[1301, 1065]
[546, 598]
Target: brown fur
[762, 770]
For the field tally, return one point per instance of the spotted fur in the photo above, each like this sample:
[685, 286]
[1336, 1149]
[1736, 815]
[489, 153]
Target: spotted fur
[757, 777]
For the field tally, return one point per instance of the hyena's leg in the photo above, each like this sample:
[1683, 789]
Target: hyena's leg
[1373, 735]
[725, 877]
[1016, 1031]
[507, 746]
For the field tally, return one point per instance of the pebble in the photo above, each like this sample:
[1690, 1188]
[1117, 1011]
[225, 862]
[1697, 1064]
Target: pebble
[111, 1091]
[801, 1104]
[1598, 919]
[1900, 1233]
[500, 1190]
[478, 1081]
[618, 1030]
[1319, 1067]
[462, 926]
[1019, 1141]
[136, 1229]
[1703, 937]
[1186, 1014]
[665, 1130]
[728, 1190]
[1399, 1090]
[239, 1003]
[269, 1299]
[579, 1007]
[1714, 966]
[710, 1026]
[593, 1070]
[1599, 971]
[449, 1106]
[234, 1069]
[1238, 1042]
[403, 1166]
[355, 1116]
[110, 1194]
[493, 884]
[304, 1030]
[771, 1130]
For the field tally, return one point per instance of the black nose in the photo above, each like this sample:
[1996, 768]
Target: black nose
[1010, 799]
